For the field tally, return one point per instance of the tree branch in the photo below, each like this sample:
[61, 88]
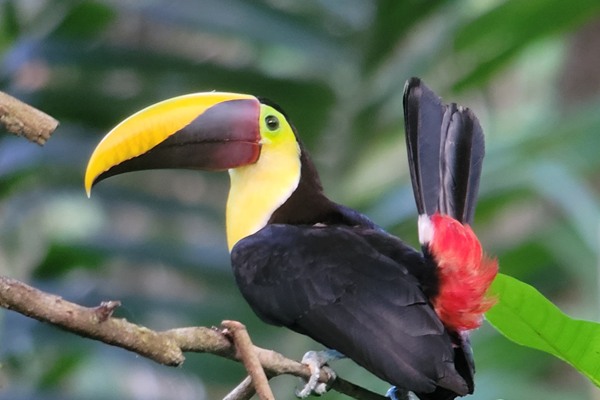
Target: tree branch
[22, 119]
[243, 391]
[242, 341]
[163, 347]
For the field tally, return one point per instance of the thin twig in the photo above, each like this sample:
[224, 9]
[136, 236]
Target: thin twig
[243, 391]
[163, 347]
[22, 119]
[249, 358]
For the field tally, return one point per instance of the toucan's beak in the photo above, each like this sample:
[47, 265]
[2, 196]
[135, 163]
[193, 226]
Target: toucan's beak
[207, 131]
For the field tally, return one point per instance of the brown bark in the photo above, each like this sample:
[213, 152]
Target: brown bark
[249, 357]
[163, 347]
[23, 120]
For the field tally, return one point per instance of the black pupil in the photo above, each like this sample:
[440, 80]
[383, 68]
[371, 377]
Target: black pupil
[272, 122]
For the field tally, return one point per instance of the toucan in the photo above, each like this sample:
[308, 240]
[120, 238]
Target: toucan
[320, 268]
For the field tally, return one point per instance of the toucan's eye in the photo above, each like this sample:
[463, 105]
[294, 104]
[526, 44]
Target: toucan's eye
[272, 122]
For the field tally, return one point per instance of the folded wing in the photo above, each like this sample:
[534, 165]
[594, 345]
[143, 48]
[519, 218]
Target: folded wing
[332, 285]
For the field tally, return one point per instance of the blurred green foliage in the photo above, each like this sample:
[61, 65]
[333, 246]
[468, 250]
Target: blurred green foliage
[156, 240]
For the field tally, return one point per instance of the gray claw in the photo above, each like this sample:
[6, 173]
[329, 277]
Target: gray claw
[321, 387]
[316, 360]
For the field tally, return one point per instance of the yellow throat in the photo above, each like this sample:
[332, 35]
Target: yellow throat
[259, 189]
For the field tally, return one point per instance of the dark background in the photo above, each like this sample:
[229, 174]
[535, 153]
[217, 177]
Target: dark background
[156, 240]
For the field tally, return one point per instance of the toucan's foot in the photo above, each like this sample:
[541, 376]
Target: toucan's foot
[397, 394]
[313, 386]
[315, 360]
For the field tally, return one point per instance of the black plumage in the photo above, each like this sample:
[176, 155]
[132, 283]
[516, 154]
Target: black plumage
[445, 149]
[329, 272]
[333, 285]
[423, 113]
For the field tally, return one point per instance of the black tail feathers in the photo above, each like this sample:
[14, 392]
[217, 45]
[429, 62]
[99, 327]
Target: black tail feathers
[445, 153]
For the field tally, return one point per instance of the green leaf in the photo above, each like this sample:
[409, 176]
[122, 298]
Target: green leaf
[9, 23]
[61, 369]
[85, 20]
[498, 36]
[486, 69]
[525, 316]
[393, 20]
[514, 20]
[61, 259]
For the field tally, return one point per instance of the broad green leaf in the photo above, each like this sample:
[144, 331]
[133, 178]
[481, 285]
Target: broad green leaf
[525, 316]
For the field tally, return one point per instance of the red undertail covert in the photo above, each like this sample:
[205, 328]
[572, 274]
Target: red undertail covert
[465, 274]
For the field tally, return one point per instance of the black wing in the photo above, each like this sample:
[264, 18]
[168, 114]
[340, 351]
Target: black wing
[445, 153]
[332, 285]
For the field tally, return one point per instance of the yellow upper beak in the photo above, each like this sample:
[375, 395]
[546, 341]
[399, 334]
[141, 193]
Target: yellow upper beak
[182, 132]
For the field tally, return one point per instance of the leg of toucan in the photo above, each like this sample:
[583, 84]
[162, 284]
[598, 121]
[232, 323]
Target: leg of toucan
[315, 360]
[397, 394]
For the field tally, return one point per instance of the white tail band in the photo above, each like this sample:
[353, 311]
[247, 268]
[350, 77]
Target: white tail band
[426, 229]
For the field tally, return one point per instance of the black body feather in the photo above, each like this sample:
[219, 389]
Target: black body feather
[332, 284]
[329, 272]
